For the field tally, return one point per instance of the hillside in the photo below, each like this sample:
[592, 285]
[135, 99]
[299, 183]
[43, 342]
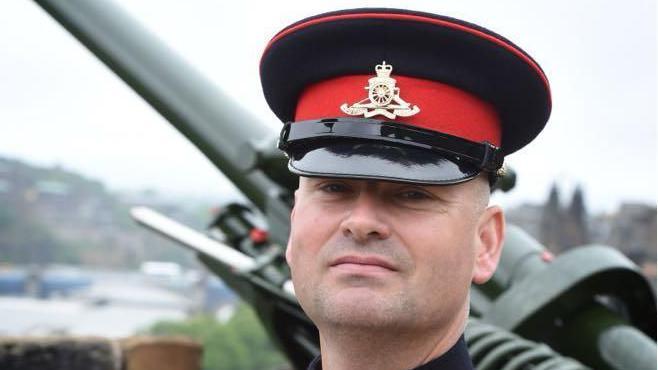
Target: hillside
[54, 215]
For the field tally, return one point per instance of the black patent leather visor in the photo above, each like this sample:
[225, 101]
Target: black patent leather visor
[382, 150]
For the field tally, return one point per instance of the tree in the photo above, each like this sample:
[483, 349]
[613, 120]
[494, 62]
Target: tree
[550, 221]
[239, 344]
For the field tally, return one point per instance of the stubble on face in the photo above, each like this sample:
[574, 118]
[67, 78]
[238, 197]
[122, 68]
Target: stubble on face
[356, 301]
[398, 301]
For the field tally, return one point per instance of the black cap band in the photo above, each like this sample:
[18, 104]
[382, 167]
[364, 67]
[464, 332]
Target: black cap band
[484, 156]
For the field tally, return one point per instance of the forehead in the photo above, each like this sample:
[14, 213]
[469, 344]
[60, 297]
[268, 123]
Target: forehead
[461, 188]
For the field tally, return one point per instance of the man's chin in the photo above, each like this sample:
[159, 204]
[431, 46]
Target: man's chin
[361, 306]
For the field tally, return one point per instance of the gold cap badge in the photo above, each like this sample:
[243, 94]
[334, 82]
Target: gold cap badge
[383, 98]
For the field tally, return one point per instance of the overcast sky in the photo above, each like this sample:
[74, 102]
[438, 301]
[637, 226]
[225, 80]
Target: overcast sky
[58, 104]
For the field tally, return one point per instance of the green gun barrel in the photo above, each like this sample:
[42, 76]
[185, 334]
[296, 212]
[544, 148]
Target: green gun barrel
[229, 136]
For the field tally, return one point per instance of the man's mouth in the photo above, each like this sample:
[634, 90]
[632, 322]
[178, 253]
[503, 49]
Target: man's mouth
[362, 264]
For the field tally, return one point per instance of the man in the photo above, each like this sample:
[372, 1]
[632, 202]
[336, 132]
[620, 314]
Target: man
[397, 123]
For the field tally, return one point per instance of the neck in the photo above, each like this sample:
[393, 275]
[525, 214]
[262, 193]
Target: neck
[387, 349]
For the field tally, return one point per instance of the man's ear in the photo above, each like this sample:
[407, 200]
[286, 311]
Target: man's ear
[288, 253]
[489, 243]
[292, 217]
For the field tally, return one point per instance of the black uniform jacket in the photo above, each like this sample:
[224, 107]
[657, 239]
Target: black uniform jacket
[456, 358]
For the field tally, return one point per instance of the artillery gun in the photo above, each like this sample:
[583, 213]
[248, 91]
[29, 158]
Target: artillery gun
[590, 304]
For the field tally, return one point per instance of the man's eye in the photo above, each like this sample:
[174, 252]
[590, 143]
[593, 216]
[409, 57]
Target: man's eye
[334, 188]
[413, 195]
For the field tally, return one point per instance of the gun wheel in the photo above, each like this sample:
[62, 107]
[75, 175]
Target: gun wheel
[381, 94]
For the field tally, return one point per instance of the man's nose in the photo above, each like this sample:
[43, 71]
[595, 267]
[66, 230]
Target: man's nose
[365, 222]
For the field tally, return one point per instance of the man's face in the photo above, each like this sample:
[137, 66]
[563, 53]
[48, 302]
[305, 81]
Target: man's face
[383, 254]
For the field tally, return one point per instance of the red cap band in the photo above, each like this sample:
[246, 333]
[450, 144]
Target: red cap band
[443, 108]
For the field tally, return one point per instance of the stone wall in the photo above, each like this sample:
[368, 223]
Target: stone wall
[93, 353]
